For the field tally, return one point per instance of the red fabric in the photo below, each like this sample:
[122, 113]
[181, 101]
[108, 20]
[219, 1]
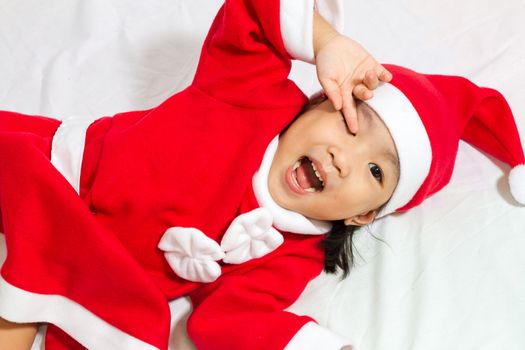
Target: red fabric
[55, 246]
[188, 162]
[57, 339]
[453, 108]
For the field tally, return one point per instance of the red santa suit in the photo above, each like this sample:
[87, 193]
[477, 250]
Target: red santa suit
[163, 203]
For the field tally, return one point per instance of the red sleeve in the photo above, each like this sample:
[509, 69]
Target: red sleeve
[63, 266]
[245, 309]
[243, 60]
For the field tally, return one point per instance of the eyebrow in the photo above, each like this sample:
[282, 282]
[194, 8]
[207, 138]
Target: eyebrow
[387, 154]
[368, 115]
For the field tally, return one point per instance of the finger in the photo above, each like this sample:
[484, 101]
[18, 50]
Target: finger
[383, 74]
[333, 92]
[362, 92]
[350, 114]
[371, 80]
[347, 91]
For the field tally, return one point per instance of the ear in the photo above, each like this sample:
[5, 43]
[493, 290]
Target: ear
[362, 219]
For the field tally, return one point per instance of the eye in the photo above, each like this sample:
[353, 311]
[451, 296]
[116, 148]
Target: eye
[376, 171]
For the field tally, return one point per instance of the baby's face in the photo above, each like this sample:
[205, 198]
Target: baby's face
[323, 172]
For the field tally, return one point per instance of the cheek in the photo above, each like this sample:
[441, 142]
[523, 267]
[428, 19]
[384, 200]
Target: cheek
[359, 197]
[318, 127]
[345, 203]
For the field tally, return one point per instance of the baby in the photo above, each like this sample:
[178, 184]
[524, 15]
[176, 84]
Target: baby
[201, 197]
[166, 204]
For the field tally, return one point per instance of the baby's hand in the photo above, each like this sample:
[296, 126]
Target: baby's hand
[345, 69]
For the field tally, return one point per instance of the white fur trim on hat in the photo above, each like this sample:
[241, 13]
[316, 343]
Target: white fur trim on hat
[517, 183]
[411, 140]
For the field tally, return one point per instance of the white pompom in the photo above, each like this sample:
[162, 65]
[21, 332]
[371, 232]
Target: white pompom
[517, 183]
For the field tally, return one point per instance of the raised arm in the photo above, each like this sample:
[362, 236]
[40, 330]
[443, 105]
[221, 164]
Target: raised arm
[246, 57]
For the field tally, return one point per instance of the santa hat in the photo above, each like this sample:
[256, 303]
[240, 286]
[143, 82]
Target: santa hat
[427, 115]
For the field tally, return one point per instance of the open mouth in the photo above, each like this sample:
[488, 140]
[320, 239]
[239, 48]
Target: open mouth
[307, 176]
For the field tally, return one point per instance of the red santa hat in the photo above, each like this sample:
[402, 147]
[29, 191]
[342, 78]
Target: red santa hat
[427, 115]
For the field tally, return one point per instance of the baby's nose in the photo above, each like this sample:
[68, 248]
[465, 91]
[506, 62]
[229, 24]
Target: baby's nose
[340, 161]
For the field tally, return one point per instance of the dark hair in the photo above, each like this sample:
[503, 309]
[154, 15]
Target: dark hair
[338, 248]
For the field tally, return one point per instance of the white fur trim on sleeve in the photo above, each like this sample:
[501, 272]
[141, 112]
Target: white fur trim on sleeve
[517, 183]
[18, 305]
[297, 24]
[313, 337]
[67, 148]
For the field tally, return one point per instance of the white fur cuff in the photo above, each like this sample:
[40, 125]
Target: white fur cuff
[297, 24]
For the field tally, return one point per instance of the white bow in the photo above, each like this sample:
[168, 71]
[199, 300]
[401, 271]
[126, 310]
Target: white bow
[193, 256]
[250, 236]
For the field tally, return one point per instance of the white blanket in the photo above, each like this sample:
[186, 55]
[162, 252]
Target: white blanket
[450, 274]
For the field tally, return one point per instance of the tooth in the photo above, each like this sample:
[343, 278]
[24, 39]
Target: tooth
[319, 176]
[296, 165]
[316, 171]
[310, 189]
